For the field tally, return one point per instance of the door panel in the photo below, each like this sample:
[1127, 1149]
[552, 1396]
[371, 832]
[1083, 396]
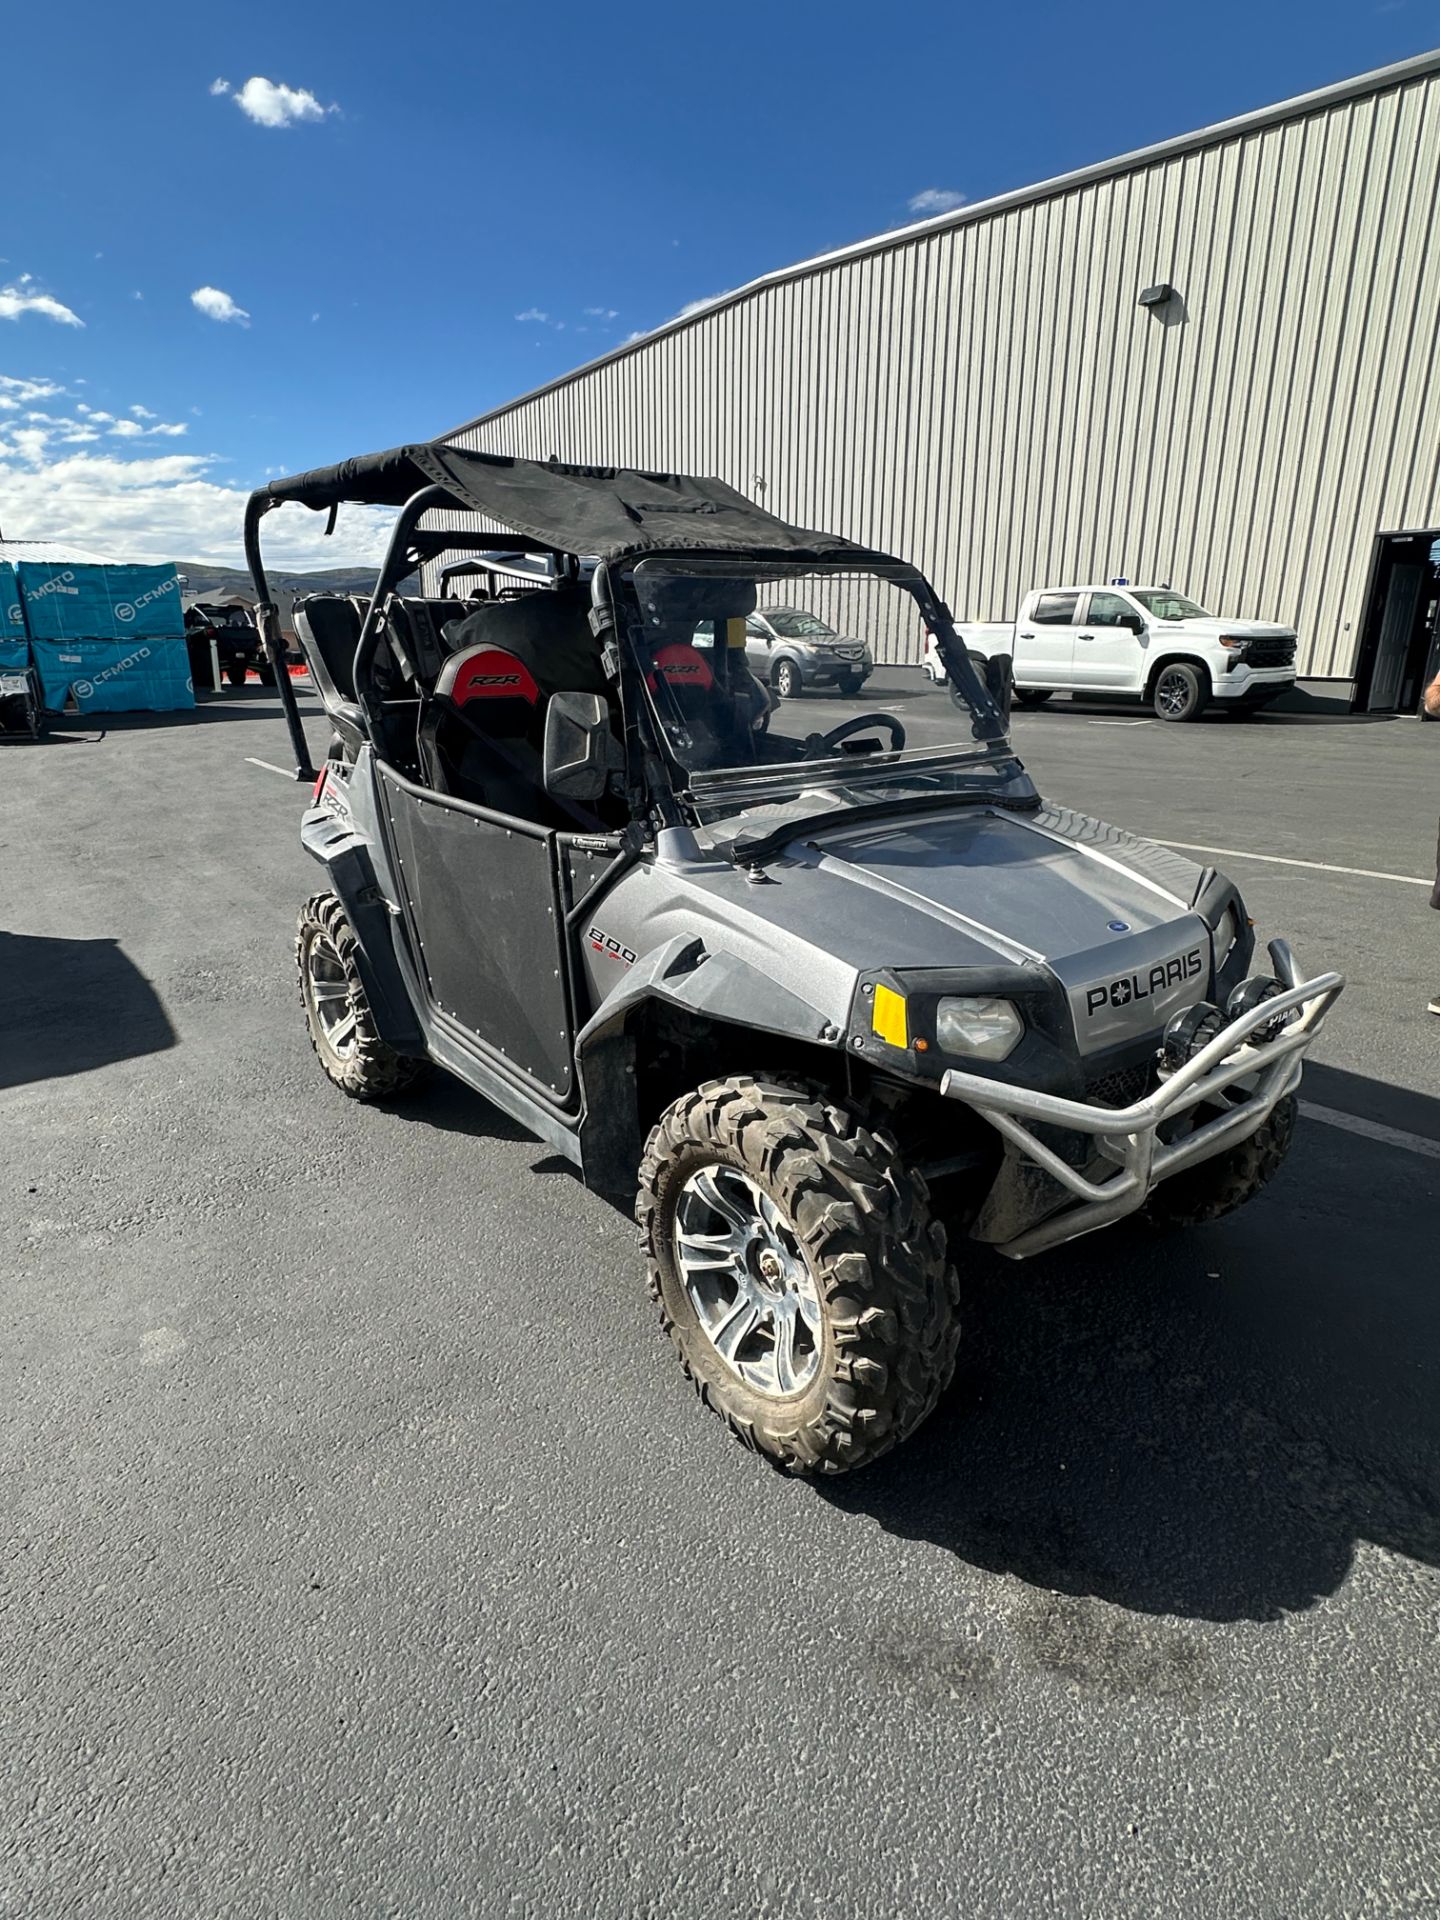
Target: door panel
[757, 648]
[483, 900]
[1107, 655]
[1402, 602]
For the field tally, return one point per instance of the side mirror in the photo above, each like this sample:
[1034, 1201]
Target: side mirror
[581, 751]
[1000, 682]
[1134, 623]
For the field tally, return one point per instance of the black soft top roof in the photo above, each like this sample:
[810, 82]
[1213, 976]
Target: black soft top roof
[606, 511]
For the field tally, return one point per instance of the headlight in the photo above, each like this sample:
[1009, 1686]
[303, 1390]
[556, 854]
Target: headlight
[1227, 932]
[983, 1028]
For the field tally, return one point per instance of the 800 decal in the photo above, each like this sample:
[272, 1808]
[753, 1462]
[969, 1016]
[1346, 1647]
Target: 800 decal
[613, 949]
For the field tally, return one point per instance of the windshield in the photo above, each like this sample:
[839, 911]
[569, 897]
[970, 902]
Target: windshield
[793, 625]
[1166, 605]
[743, 735]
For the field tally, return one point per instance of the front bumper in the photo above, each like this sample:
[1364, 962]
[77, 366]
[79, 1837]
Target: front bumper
[1128, 1137]
[1253, 686]
[825, 672]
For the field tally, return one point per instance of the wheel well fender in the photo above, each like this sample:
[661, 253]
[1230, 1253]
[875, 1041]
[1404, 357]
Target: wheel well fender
[716, 1006]
[1202, 667]
[344, 853]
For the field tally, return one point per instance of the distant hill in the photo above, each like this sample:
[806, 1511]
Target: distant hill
[198, 577]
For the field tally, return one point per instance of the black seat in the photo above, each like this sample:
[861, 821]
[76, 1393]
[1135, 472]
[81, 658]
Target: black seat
[328, 628]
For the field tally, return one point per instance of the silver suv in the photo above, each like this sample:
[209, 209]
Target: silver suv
[792, 649]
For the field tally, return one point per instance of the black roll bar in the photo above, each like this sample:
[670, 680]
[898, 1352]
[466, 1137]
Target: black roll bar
[268, 616]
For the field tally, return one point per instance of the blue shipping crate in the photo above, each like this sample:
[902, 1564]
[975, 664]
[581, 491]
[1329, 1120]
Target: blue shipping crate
[149, 672]
[14, 655]
[12, 612]
[76, 601]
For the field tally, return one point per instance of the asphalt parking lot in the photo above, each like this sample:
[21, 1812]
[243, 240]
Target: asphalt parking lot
[366, 1554]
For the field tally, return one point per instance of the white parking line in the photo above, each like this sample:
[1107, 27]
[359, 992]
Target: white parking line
[1117, 723]
[1278, 860]
[284, 772]
[1372, 1130]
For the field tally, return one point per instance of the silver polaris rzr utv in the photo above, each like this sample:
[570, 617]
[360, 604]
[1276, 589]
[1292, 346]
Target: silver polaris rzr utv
[776, 986]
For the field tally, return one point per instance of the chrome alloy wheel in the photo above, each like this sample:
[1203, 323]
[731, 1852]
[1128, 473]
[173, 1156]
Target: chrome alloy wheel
[748, 1280]
[327, 990]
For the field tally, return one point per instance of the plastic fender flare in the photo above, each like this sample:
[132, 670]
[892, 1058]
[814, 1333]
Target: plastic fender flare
[1178, 659]
[344, 853]
[684, 974]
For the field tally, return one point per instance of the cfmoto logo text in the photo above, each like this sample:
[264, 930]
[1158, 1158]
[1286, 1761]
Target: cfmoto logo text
[126, 610]
[57, 583]
[82, 689]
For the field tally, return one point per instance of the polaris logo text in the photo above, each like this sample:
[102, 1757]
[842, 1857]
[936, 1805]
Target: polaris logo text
[1143, 986]
[126, 610]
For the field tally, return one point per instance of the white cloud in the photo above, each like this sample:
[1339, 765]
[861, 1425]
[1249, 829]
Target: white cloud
[603, 313]
[171, 428]
[631, 338]
[216, 305]
[219, 86]
[18, 299]
[534, 313]
[935, 200]
[165, 508]
[143, 413]
[270, 103]
[126, 430]
[19, 391]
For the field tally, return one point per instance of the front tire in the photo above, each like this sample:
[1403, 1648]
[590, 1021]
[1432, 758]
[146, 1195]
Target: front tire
[236, 675]
[786, 680]
[1181, 692]
[850, 684]
[798, 1272]
[1217, 1187]
[1032, 696]
[341, 1025]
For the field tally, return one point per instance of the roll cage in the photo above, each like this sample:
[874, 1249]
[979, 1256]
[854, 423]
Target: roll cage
[576, 520]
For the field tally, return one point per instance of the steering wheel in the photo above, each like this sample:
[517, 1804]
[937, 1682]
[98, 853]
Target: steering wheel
[821, 745]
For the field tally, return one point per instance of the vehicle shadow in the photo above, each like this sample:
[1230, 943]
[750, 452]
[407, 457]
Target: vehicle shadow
[67, 1006]
[1205, 1424]
[448, 1105]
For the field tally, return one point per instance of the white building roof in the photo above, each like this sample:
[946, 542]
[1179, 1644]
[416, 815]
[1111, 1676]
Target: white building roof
[62, 550]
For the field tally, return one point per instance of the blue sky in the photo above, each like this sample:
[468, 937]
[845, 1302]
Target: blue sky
[419, 213]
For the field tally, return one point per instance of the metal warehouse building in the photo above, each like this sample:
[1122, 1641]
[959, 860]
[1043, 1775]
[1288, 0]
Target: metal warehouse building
[1214, 362]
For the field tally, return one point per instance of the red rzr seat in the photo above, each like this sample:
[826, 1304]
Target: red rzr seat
[482, 734]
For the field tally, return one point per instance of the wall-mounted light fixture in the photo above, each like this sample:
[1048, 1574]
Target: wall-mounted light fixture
[1157, 295]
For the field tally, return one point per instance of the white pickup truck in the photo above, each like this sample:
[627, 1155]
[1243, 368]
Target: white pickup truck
[1145, 641]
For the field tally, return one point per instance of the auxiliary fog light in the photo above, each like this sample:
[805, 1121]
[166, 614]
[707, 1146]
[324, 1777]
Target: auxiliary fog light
[981, 1027]
[1253, 993]
[1190, 1030]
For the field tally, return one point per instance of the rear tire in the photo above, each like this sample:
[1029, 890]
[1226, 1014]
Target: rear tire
[236, 676]
[1216, 1187]
[1181, 692]
[856, 1263]
[337, 1013]
[1033, 696]
[786, 680]
[265, 673]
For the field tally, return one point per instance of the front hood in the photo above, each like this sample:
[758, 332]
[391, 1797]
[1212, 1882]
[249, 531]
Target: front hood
[1110, 915]
[1212, 628]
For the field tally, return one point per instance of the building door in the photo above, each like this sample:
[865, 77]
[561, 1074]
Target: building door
[1402, 624]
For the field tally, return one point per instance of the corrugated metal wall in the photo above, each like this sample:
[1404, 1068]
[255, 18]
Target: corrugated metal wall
[988, 399]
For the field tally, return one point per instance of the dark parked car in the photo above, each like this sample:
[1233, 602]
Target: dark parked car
[236, 640]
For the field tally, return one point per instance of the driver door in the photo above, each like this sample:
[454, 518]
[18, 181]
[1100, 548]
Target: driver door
[758, 642]
[1108, 654]
[486, 917]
